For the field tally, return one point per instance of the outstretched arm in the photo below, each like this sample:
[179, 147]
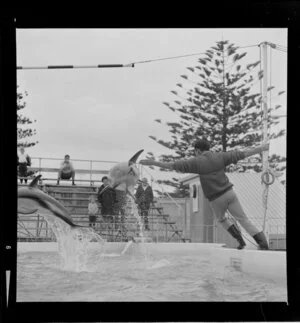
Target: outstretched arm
[150, 162]
[257, 150]
[192, 165]
[232, 157]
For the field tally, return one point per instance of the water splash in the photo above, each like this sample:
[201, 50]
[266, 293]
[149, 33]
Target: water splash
[141, 238]
[73, 243]
[159, 264]
[135, 213]
[127, 246]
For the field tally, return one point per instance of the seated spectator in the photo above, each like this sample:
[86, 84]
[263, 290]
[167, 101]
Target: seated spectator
[106, 197]
[92, 211]
[66, 170]
[24, 161]
[144, 197]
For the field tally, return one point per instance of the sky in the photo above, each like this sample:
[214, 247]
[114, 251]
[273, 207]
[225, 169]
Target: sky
[108, 114]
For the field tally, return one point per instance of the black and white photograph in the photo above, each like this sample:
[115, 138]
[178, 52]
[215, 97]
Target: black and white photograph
[151, 165]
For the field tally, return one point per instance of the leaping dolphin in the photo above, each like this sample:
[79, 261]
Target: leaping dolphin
[125, 175]
[31, 200]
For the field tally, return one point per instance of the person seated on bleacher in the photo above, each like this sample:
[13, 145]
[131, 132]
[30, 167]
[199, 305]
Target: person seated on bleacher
[66, 170]
[24, 161]
[106, 197]
[92, 211]
[144, 197]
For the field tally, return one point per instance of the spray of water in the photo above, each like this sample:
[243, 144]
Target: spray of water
[141, 239]
[73, 243]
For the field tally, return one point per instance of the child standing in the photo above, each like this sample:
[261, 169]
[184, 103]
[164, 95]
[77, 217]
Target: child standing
[92, 211]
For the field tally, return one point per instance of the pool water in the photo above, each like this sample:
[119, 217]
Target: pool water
[138, 275]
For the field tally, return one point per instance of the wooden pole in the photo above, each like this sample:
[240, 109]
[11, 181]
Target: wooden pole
[265, 154]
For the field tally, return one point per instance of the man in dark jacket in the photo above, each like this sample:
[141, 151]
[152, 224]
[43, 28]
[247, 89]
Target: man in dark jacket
[144, 197]
[216, 186]
[106, 197]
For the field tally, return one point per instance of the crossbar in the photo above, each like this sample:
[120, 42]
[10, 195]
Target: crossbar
[49, 67]
[79, 171]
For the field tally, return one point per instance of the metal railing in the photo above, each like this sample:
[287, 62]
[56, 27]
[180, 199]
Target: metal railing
[35, 228]
[52, 165]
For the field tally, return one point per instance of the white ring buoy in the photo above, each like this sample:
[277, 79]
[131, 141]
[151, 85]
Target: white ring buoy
[265, 177]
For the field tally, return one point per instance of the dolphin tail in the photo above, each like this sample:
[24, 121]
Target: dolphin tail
[134, 158]
[35, 181]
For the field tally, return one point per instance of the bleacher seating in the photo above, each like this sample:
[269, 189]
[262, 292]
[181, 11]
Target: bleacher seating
[75, 199]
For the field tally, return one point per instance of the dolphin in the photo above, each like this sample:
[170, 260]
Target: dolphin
[124, 176]
[32, 200]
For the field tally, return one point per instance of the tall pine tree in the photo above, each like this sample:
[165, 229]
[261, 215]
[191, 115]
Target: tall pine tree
[23, 131]
[222, 106]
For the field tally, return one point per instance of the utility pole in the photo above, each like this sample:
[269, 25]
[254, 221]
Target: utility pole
[265, 154]
[265, 100]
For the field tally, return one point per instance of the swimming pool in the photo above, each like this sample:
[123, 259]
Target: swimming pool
[146, 272]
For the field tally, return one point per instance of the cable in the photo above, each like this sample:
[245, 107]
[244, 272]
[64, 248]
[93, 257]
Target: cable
[250, 46]
[166, 58]
[281, 50]
[281, 46]
[181, 56]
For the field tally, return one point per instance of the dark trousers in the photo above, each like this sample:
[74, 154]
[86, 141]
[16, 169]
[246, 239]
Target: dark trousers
[144, 213]
[92, 220]
[63, 175]
[23, 172]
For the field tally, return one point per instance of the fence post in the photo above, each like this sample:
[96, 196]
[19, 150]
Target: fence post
[91, 167]
[152, 223]
[46, 229]
[40, 165]
[37, 225]
[277, 238]
[166, 232]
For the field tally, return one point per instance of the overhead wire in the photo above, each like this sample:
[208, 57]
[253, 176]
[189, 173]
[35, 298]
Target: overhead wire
[181, 56]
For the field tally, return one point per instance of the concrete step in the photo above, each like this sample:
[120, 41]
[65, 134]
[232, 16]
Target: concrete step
[66, 200]
[78, 210]
[87, 192]
[126, 216]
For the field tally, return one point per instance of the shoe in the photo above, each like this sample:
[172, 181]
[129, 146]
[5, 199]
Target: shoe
[57, 183]
[236, 234]
[73, 184]
[261, 240]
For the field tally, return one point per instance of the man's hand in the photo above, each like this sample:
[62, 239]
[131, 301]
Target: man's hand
[147, 162]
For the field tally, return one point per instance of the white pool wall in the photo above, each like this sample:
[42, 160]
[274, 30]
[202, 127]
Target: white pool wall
[119, 246]
[259, 263]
